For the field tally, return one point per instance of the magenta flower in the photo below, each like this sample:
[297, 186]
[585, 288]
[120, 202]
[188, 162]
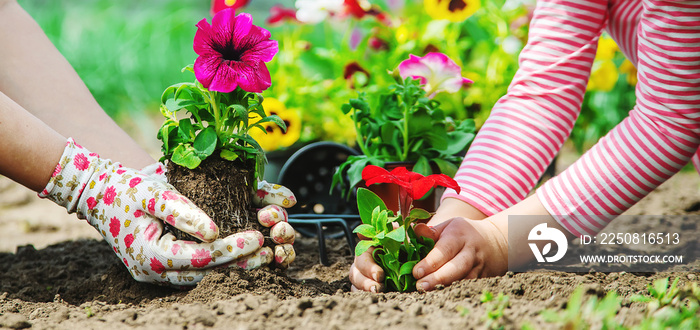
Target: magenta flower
[232, 53]
[436, 71]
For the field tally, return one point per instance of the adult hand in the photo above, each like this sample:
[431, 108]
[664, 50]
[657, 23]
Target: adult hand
[464, 249]
[128, 208]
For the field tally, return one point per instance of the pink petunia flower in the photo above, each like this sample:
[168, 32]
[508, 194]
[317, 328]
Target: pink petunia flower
[201, 258]
[110, 194]
[114, 225]
[81, 162]
[157, 266]
[232, 53]
[436, 71]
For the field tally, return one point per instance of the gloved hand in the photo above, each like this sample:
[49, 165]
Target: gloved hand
[275, 198]
[127, 207]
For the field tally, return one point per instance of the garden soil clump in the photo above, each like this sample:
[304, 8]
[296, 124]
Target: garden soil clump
[223, 190]
[80, 283]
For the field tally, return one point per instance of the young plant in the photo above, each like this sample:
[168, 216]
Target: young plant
[398, 248]
[230, 74]
[593, 313]
[404, 124]
[495, 317]
[671, 307]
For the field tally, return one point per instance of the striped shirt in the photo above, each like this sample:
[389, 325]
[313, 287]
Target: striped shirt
[529, 125]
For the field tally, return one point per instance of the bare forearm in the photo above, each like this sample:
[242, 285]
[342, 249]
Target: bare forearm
[30, 149]
[453, 207]
[36, 76]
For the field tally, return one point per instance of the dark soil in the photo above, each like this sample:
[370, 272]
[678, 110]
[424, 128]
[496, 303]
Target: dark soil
[80, 284]
[223, 190]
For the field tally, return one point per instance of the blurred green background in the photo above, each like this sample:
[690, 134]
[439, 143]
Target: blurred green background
[129, 51]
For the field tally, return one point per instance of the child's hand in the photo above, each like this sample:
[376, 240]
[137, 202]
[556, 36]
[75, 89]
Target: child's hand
[365, 274]
[463, 249]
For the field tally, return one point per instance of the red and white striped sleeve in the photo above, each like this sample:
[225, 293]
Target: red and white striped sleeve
[528, 126]
[655, 141]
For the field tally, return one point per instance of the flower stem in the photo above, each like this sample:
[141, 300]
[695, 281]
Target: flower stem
[405, 131]
[358, 136]
[214, 99]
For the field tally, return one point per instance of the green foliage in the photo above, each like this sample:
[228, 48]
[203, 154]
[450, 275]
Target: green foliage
[403, 125]
[494, 317]
[215, 121]
[671, 307]
[398, 249]
[667, 307]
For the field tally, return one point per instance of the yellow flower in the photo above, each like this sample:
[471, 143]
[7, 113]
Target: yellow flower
[606, 48]
[275, 137]
[604, 77]
[453, 10]
[630, 70]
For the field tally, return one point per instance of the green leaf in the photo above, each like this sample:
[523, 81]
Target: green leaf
[365, 230]
[446, 167]
[422, 166]
[419, 214]
[359, 104]
[363, 246]
[398, 234]
[407, 268]
[275, 119]
[205, 142]
[228, 155]
[186, 132]
[185, 155]
[367, 201]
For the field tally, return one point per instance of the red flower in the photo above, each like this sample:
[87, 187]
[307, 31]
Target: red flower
[81, 162]
[128, 240]
[134, 182]
[201, 258]
[349, 72]
[279, 14]
[114, 225]
[361, 8]
[91, 203]
[219, 5]
[377, 43]
[110, 193]
[416, 185]
[138, 213]
[157, 266]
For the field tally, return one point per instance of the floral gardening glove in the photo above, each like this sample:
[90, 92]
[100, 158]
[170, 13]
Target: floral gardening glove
[128, 208]
[274, 198]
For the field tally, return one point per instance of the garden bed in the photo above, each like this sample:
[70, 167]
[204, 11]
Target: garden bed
[81, 284]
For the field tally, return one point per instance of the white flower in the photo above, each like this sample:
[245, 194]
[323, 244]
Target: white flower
[315, 11]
